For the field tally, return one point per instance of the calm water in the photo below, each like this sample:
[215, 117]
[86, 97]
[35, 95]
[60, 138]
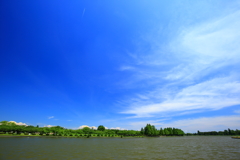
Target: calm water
[191, 147]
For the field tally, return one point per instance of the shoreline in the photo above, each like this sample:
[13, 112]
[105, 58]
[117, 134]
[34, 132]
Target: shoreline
[2, 135]
[70, 136]
[235, 137]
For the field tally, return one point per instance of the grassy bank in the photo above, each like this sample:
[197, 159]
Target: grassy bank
[236, 137]
[75, 136]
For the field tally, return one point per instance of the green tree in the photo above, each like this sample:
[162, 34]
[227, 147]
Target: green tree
[142, 131]
[198, 132]
[150, 130]
[46, 130]
[170, 130]
[161, 132]
[3, 122]
[229, 131]
[166, 132]
[87, 130]
[56, 130]
[101, 128]
[5, 128]
[225, 132]
[79, 131]
[30, 129]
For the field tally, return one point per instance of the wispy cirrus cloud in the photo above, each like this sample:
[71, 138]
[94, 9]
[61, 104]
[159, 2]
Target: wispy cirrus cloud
[237, 111]
[206, 48]
[50, 117]
[204, 75]
[124, 68]
[214, 94]
[83, 12]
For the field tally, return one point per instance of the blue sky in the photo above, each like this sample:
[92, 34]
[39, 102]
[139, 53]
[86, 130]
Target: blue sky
[121, 64]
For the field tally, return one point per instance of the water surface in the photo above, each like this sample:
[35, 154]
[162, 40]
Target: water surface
[187, 147]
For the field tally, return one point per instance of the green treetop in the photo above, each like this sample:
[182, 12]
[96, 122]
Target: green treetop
[101, 128]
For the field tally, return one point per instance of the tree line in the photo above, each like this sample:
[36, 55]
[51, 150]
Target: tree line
[149, 130]
[225, 132]
[12, 128]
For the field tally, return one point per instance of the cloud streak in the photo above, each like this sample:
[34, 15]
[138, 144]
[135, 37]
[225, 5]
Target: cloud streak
[49, 126]
[237, 111]
[83, 12]
[204, 77]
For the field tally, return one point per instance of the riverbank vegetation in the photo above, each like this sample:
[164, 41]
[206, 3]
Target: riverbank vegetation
[150, 130]
[236, 137]
[225, 132]
[10, 128]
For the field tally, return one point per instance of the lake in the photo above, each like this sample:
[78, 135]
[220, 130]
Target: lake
[187, 147]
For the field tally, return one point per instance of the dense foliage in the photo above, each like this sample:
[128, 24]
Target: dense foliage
[225, 132]
[148, 130]
[101, 128]
[12, 128]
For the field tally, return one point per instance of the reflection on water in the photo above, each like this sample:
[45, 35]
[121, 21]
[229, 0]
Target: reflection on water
[192, 147]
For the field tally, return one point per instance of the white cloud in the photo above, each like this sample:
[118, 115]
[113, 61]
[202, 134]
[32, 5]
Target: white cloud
[213, 94]
[19, 123]
[49, 126]
[207, 47]
[81, 127]
[118, 128]
[205, 75]
[50, 117]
